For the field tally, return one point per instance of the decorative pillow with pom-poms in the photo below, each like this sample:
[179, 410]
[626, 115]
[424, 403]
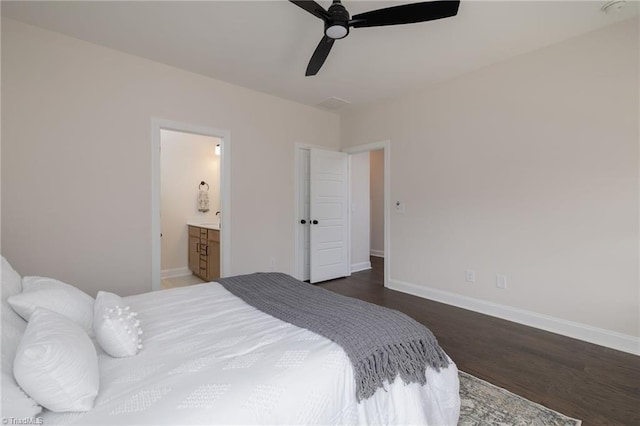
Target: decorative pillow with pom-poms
[115, 326]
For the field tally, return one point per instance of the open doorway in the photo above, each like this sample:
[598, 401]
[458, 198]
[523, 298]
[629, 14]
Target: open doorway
[367, 210]
[376, 194]
[216, 146]
[305, 217]
[189, 197]
[370, 230]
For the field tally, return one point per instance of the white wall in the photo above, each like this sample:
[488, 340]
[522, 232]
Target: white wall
[185, 160]
[527, 168]
[76, 159]
[360, 212]
[377, 202]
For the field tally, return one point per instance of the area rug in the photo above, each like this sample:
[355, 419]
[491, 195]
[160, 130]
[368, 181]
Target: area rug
[482, 403]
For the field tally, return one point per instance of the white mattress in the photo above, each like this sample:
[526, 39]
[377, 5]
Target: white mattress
[209, 358]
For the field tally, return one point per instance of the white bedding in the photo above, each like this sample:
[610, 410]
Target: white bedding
[209, 358]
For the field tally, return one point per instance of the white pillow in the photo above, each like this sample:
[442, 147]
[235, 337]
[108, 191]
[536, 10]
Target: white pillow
[57, 364]
[15, 403]
[65, 299]
[11, 281]
[115, 326]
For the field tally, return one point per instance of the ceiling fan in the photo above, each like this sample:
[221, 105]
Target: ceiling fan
[337, 21]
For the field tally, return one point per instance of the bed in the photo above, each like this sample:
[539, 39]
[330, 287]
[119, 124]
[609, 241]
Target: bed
[211, 358]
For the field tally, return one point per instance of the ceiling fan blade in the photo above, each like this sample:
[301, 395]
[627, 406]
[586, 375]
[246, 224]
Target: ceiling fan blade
[406, 14]
[319, 56]
[313, 8]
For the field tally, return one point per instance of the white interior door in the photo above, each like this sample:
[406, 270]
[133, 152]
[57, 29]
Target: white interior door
[329, 214]
[304, 199]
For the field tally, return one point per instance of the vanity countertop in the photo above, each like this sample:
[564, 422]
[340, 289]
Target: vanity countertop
[209, 225]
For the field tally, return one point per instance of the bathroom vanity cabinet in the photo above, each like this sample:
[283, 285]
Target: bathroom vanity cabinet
[204, 252]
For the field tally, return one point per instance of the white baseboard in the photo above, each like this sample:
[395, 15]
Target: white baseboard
[175, 272]
[599, 336]
[362, 266]
[376, 253]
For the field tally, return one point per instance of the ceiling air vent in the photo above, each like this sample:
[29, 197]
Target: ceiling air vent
[333, 103]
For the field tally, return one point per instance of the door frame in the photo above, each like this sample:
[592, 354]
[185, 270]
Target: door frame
[158, 124]
[385, 145]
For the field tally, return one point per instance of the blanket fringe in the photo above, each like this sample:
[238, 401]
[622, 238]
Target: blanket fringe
[409, 360]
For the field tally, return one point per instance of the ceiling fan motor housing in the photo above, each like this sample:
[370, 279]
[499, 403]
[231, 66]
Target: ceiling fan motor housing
[338, 26]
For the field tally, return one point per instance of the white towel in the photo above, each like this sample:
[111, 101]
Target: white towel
[203, 201]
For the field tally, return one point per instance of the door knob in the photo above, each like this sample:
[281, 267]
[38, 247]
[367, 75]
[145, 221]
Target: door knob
[303, 221]
[315, 222]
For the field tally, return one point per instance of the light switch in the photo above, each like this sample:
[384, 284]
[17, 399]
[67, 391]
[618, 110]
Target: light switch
[400, 207]
[470, 276]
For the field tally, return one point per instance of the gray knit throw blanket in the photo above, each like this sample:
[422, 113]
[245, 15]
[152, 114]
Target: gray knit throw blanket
[381, 343]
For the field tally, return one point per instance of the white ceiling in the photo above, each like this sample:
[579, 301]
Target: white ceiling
[265, 45]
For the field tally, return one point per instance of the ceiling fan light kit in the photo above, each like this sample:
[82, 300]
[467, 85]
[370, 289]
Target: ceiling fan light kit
[337, 21]
[336, 32]
[337, 26]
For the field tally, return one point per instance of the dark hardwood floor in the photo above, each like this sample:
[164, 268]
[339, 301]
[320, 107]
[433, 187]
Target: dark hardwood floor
[598, 385]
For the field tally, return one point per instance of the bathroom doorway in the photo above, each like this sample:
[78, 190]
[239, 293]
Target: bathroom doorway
[189, 195]
[190, 186]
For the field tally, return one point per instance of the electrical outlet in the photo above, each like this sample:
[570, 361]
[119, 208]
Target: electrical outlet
[272, 263]
[501, 281]
[470, 276]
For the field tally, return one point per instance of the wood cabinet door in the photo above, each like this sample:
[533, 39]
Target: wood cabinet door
[194, 255]
[213, 260]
